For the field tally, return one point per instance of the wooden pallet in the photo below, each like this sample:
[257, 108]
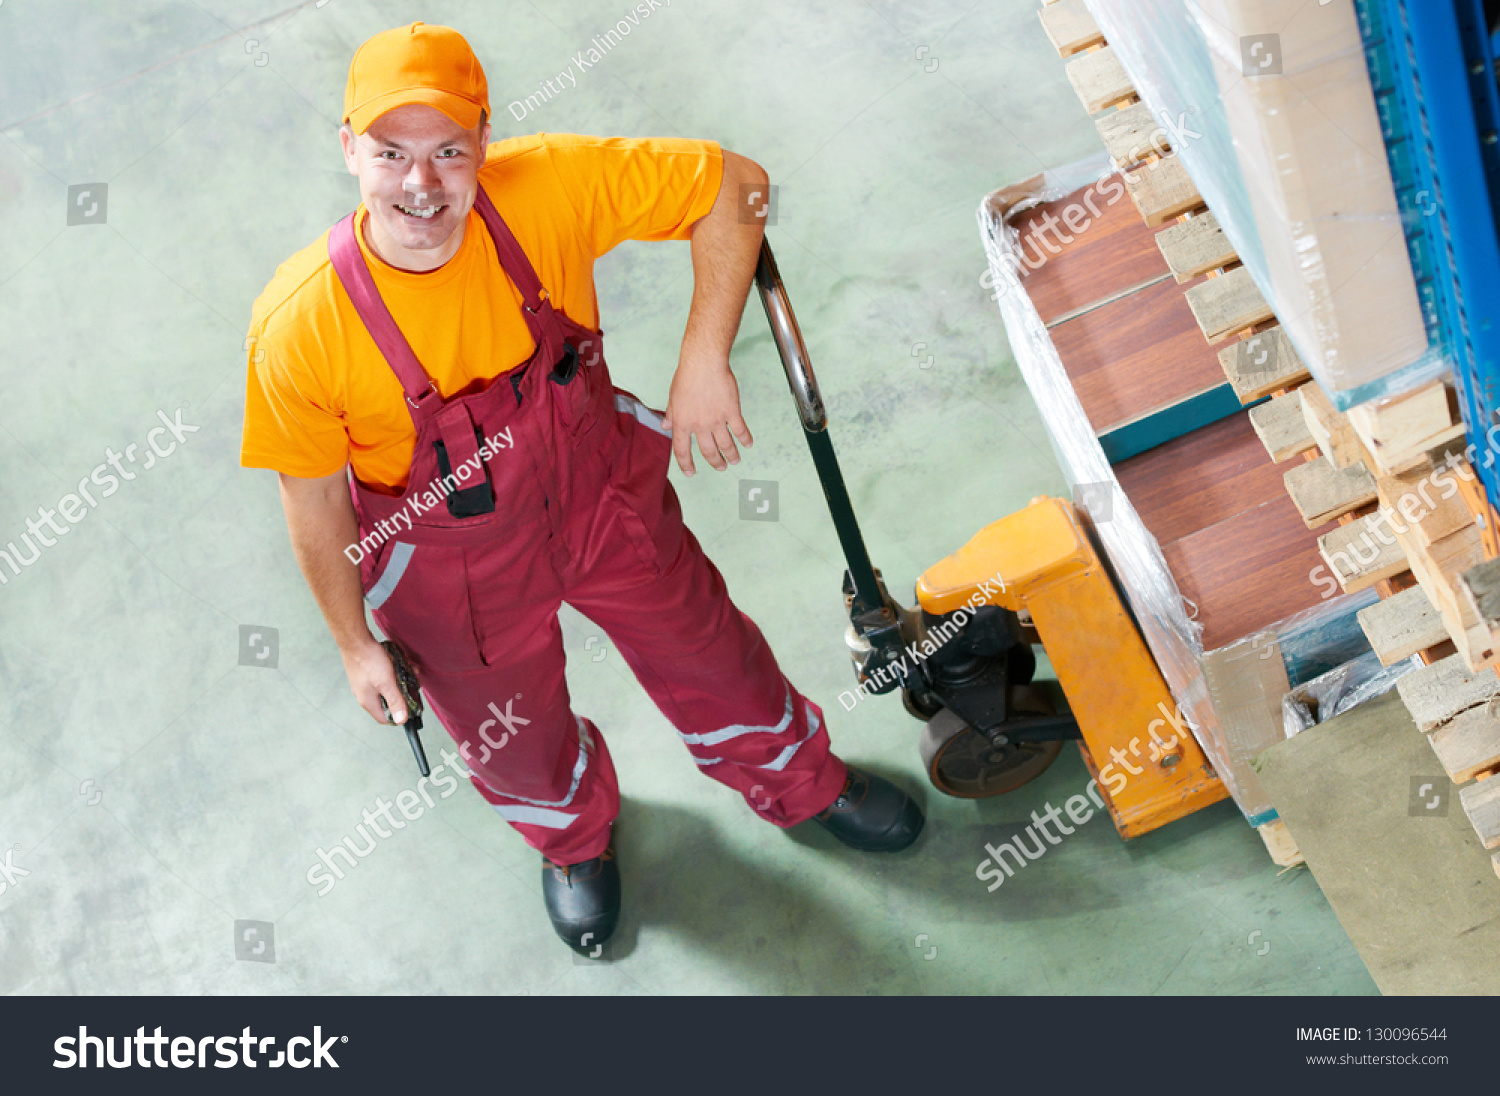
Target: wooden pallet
[1431, 571]
[1418, 542]
[1440, 596]
[1423, 574]
[1279, 843]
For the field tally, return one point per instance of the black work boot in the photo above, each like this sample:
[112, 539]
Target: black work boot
[872, 814]
[583, 900]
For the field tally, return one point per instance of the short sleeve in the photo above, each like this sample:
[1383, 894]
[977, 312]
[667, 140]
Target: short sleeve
[644, 188]
[290, 423]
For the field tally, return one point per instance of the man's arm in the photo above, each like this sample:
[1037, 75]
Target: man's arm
[704, 398]
[320, 518]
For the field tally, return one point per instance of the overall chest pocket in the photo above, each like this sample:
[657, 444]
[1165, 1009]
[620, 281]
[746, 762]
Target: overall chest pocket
[581, 383]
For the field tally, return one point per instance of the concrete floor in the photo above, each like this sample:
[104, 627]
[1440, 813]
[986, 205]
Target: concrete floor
[157, 793]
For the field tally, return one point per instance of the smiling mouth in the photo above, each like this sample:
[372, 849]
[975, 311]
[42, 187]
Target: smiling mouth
[423, 214]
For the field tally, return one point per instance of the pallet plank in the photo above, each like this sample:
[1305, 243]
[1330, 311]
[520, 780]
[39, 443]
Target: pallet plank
[1437, 567]
[1399, 427]
[1330, 428]
[1131, 133]
[1455, 555]
[1437, 693]
[1279, 843]
[1261, 364]
[1162, 190]
[1480, 587]
[1359, 556]
[1481, 802]
[1195, 246]
[1070, 27]
[1449, 443]
[1321, 492]
[1281, 428]
[1100, 80]
[1402, 625]
[1416, 496]
[1468, 745]
[1227, 304]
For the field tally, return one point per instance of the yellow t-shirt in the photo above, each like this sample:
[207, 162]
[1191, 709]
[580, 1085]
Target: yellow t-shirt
[319, 393]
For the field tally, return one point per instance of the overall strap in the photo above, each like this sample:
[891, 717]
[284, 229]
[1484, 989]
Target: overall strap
[348, 262]
[536, 303]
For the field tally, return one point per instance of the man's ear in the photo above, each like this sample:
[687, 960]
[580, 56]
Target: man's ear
[347, 141]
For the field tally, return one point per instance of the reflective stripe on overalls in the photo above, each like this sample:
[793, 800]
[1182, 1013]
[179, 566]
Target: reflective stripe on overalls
[550, 485]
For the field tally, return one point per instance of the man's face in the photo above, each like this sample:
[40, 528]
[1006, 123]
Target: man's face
[418, 175]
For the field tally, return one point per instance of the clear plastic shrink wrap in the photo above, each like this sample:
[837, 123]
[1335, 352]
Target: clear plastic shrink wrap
[1340, 689]
[1269, 105]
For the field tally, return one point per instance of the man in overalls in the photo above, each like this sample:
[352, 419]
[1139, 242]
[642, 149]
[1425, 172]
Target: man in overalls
[429, 380]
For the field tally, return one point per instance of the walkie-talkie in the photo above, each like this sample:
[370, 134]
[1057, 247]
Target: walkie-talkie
[411, 692]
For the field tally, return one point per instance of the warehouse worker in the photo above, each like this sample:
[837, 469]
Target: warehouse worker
[429, 380]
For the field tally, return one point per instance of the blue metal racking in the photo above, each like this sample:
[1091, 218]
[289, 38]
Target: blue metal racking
[1432, 67]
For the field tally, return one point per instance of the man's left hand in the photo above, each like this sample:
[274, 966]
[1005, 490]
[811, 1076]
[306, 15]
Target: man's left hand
[705, 401]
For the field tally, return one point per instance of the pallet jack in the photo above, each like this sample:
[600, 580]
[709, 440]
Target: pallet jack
[963, 658]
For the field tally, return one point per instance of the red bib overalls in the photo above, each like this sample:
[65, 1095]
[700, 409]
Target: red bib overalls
[580, 510]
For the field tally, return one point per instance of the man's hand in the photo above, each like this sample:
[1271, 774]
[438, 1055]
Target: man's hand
[371, 676]
[705, 401]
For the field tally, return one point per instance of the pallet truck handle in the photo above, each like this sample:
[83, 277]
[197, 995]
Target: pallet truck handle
[868, 596]
[788, 336]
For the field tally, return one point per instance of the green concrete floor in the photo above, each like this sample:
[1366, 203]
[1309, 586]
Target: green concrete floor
[157, 792]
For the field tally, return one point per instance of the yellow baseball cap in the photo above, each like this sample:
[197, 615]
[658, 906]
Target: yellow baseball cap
[415, 64]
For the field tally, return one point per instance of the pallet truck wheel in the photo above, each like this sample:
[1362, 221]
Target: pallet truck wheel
[962, 763]
[918, 710]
